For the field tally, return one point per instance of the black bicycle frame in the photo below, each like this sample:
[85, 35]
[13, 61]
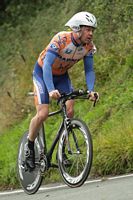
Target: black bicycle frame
[50, 152]
[64, 125]
[63, 111]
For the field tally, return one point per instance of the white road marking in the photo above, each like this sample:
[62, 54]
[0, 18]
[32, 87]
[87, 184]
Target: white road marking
[63, 186]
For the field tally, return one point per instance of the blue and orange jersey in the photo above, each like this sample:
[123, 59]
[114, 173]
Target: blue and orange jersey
[67, 50]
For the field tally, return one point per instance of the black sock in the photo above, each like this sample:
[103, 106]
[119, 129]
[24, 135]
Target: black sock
[30, 144]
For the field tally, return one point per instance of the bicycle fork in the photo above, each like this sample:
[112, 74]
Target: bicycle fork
[68, 129]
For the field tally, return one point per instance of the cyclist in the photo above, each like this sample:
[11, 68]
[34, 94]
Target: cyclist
[50, 74]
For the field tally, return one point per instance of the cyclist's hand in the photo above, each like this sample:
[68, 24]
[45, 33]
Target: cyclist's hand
[93, 96]
[54, 94]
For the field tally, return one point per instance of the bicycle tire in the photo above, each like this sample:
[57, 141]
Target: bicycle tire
[76, 173]
[30, 181]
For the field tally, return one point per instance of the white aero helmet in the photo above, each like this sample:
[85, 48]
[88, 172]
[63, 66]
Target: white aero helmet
[82, 18]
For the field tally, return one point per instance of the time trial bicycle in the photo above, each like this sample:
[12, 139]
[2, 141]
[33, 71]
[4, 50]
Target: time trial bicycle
[74, 152]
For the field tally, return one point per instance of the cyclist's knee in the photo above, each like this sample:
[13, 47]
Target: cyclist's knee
[70, 108]
[41, 117]
[70, 112]
[42, 114]
[70, 115]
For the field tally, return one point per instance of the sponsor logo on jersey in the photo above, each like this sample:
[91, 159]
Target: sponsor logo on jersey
[68, 51]
[54, 47]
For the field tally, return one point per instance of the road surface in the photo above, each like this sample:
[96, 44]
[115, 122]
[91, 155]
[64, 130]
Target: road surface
[115, 188]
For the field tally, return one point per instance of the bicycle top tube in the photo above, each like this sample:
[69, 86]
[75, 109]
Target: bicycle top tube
[54, 113]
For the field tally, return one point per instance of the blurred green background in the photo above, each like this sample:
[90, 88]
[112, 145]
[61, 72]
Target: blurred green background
[26, 27]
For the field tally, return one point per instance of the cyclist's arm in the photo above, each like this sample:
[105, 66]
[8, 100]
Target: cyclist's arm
[47, 70]
[89, 72]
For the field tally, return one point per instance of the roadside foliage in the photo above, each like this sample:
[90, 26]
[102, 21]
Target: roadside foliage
[26, 27]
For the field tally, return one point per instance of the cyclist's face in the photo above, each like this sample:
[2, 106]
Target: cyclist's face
[86, 34]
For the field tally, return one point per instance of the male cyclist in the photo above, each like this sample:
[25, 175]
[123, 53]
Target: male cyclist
[50, 75]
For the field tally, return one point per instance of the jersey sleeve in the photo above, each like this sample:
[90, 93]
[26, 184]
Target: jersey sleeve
[89, 71]
[47, 71]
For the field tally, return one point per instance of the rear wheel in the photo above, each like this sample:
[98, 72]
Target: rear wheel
[30, 180]
[77, 151]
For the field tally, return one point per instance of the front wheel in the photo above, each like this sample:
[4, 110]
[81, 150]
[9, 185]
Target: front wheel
[76, 149]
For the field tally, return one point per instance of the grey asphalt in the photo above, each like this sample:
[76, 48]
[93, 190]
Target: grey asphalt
[116, 189]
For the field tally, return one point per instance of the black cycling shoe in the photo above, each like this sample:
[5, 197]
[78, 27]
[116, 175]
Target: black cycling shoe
[29, 157]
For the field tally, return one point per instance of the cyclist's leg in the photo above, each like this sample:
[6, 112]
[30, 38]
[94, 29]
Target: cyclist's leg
[41, 99]
[37, 120]
[70, 108]
[63, 84]
[42, 104]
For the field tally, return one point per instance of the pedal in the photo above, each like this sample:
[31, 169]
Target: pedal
[43, 166]
[24, 166]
